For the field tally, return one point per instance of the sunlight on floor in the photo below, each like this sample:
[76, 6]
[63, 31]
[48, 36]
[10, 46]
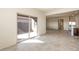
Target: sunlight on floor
[33, 41]
[22, 36]
[26, 35]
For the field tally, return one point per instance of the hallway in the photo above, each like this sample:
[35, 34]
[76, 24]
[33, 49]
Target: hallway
[52, 41]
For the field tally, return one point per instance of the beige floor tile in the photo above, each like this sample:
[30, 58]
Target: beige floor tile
[52, 41]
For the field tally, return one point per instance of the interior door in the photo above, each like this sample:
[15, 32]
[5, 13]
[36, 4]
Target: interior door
[61, 24]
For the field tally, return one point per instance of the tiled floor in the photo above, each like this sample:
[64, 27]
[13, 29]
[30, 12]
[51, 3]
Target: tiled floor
[52, 41]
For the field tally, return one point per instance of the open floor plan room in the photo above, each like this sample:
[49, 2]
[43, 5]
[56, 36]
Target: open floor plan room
[39, 29]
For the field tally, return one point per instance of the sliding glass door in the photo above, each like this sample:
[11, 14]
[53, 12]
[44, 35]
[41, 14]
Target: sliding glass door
[22, 28]
[26, 27]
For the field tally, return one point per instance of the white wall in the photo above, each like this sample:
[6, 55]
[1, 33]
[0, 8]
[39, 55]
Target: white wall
[52, 23]
[7, 27]
[8, 24]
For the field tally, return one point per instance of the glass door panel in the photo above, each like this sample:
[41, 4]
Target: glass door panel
[26, 27]
[33, 27]
[23, 28]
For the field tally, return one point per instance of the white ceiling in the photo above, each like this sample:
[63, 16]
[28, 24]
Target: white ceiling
[56, 12]
[46, 10]
[73, 13]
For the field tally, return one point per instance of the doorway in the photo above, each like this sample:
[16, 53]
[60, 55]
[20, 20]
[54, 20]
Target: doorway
[26, 27]
[61, 24]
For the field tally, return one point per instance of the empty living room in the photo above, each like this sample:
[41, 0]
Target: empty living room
[39, 29]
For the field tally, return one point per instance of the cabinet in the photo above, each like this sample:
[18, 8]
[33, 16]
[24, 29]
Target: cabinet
[76, 31]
